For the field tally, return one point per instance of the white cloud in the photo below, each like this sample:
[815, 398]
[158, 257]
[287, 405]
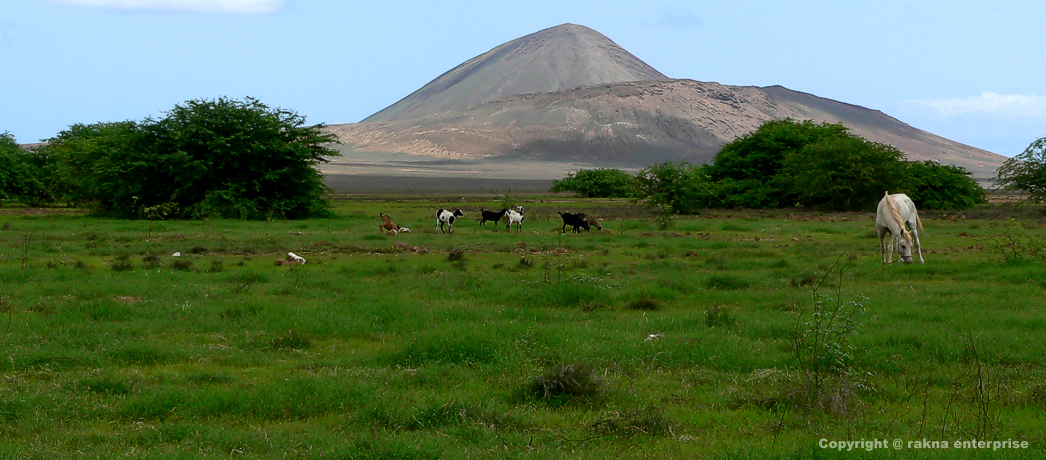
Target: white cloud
[988, 103]
[201, 6]
[677, 18]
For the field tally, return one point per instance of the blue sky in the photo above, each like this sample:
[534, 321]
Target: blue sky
[971, 71]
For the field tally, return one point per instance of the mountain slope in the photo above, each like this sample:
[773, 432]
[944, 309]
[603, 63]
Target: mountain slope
[558, 58]
[639, 123]
[569, 96]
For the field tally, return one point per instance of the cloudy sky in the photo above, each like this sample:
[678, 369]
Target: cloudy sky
[971, 71]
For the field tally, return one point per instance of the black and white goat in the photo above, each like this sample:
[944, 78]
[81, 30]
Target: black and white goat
[444, 216]
[515, 216]
[493, 216]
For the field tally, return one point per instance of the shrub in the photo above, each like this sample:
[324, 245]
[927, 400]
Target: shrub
[650, 421]
[456, 255]
[121, 264]
[151, 261]
[565, 384]
[182, 264]
[674, 188]
[644, 303]
[290, 340]
[937, 186]
[727, 282]
[598, 183]
[719, 316]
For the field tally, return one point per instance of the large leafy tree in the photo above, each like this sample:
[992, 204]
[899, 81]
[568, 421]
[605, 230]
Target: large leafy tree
[790, 163]
[598, 183]
[843, 173]
[11, 167]
[747, 169]
[224, 158]
[22, 173]
[937, 186]
[93, 164]
[1025, 173]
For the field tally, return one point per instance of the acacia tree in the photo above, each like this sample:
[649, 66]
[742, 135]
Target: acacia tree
[223, 158]
[1026, 172]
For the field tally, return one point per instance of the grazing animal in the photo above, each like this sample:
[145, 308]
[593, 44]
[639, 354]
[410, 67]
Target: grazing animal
[591, 221]
[576, 221]
[515, 216]
[492, 216]
[387, 225]
[891, 217]
[444, 216]
[291, 259]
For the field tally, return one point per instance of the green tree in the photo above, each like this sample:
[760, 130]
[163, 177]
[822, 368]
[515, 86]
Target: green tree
[223, 158]
[1025, 173]
[92, 164]
[747, 168]
[842, 173]
[598, 183]
[674, 188]
[10, 167]
[22, 174]
[936, 186]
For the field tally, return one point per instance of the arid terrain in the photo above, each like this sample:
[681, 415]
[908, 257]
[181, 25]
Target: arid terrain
[568, 97]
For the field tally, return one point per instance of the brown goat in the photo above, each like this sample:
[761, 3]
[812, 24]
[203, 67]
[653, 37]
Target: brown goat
[388, 226]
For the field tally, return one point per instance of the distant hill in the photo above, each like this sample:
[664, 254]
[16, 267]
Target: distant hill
[569, 95]
[562, 57]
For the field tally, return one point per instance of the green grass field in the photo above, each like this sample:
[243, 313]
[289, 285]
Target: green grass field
[731, 334]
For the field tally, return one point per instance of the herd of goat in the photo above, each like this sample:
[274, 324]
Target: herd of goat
[513, 218]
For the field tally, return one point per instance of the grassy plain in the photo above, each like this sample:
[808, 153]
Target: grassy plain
[731, 334]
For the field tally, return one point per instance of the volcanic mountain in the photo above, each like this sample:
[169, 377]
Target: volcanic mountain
[570, 97]
[563, 57]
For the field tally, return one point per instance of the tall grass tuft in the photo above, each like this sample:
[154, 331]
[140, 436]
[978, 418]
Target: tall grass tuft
[566, 384]
[727, 282]
[650, 421]
[719, 316]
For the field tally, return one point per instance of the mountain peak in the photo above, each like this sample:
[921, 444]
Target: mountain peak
[559, 58]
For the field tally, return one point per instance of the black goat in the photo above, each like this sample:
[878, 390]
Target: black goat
[574, 220]
[492, 216]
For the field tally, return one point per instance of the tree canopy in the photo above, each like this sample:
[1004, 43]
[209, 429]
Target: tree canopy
[22, 173]
[787, 163]
[598, 183]
[222, 158]
[1025, 173]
